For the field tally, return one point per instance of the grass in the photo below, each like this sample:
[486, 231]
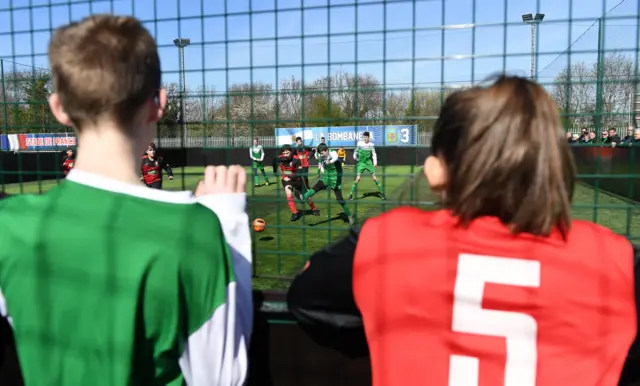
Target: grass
[283, 247]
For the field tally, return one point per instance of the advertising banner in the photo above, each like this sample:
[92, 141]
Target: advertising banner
[348, 136]
[37, 142]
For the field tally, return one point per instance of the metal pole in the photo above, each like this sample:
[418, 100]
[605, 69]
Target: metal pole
[599, 76]
[5, 106]
[183, 92]
[533, 49]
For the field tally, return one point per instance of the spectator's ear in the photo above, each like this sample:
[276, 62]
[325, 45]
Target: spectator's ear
[58, 110]
[435, 172]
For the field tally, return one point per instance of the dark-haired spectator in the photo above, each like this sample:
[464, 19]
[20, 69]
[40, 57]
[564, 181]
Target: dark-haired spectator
[584, 134]
[614, 138]
[487, 290]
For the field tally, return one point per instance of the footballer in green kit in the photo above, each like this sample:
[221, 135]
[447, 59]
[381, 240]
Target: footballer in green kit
[331, 168]
[256, 153]
[366, 161]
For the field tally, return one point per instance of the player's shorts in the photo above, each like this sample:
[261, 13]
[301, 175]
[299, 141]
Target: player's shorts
[332, 181]
[296, 184]
[257, 165]
[155, 184]
[365, 167]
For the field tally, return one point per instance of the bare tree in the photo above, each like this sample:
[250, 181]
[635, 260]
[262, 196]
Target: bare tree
[396, 105]
[290, 101]
[575, 91]
[202, 104]
[617, 89]
[425, 104]
[169, 126]
[359, 97]
[251, 109]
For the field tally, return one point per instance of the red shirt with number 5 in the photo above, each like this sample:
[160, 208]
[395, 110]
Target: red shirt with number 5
[444, 305]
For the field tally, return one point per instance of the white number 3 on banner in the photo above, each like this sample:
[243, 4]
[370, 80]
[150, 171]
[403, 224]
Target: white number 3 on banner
[520, 330]
[405, 136]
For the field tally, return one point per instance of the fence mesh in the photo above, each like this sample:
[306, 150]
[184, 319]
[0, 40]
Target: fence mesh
[255, 68]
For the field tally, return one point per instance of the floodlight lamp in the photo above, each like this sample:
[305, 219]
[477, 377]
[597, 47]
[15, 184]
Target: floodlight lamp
[539, 17]
[181, 42]
[527, 17]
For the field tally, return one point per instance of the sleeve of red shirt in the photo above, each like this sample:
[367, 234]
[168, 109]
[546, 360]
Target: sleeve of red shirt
[631, 371]
[321, 298]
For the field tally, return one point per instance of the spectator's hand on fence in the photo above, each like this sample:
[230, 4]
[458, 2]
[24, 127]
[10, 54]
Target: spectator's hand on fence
[613, 144]
[222, 180]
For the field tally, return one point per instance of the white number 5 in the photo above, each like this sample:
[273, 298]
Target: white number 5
[519, 330]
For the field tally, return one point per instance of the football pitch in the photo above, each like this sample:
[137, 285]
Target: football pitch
[281, 250]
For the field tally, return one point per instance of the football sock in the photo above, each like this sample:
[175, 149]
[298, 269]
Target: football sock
[264, 174]
[255, 177]
[346, 209]
[311, 204]
[353, 188]
[379, 185]
[292, 205]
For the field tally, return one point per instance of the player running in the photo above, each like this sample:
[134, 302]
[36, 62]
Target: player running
[152, 168]
[68, 162]
[317, 155]
[292, 181]
[331, 178]
[256, 153]
[302, 153]
[366, 161]
[500, 286]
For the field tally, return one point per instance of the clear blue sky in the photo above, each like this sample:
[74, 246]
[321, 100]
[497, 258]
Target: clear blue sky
[24, 34]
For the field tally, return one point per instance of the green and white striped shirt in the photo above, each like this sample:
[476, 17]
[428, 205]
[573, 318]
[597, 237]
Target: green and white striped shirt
[106, 283]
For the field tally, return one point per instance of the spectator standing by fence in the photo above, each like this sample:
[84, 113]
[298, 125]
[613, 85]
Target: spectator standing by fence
[614, 138]
[500, 287]
[628, 139]
[107, 282]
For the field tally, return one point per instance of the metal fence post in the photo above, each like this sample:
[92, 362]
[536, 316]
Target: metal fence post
[600, 76]
[5, 111]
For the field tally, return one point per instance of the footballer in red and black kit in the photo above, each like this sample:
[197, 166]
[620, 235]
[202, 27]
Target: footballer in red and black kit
[152, 168]
[69, 161]
[303, 154]
[292, 181]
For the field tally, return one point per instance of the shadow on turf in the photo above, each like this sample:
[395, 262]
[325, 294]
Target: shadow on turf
[367, 195]
[266, 238]
[340, 216]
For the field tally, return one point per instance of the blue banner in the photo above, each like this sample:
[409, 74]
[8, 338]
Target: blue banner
[348, 136]
[37, 142]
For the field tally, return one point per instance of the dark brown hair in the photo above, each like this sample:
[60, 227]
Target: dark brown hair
[506, 156]
[104, 67]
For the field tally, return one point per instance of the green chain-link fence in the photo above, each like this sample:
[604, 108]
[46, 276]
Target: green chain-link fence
[253, 66]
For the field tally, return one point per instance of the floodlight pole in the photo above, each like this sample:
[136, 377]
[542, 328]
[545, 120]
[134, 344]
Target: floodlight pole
[533, 20]
[181, 44]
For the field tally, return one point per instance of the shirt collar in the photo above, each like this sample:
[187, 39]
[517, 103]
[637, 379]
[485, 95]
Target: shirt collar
[104, 183]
